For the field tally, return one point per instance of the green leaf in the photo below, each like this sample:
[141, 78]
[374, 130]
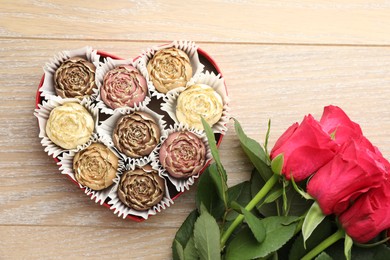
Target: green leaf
[348, 243]
[183, 235]
[323, 231]
[297, 205]
[207, 194]
[313, 218]
[300, 191]
[272, 196]
[206, 237]
[367, 245]
[256, 183]
[254, 151]
[245, 195]
[380, 252]
[177, 251]
[213, 147]
[235, 191]
[323, 256]
[190, 251]
[255, 225]
[277, 164]
[245, 246]
[243, 199]
[219, 182]
[235, 206]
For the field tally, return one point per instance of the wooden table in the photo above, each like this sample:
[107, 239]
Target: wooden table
[280, 59]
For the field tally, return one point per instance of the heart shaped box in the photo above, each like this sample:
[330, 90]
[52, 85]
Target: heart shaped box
[209, 66]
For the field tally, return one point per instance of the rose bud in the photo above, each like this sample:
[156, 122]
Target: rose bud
[123, 86]
[69, 125]
[75, 78]
[335, 122]
[182, 154]
[305, 147]
[95, 166]
[136, 134]
[169, 69]
[198, 101]
[355, 170]
[141, 188]
[369, 215]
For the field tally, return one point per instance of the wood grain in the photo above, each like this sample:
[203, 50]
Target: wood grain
[83, 243]
[327, 56]
[249, 21]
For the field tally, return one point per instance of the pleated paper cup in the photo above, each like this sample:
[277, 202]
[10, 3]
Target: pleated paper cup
[183, 184]
[107, 128]
[105, 67]
[189, 47]
[122, 210]
[43, 113]
[216, 82]
[47, 89]
[66, 168]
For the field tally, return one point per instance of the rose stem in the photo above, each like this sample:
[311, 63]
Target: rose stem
[324, 244]
[259, 196]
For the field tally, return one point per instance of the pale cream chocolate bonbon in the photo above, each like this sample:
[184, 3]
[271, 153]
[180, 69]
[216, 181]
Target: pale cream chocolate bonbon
[196, 101]
[69, 125]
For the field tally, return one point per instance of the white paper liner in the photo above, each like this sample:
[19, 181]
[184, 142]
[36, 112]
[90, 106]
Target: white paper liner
[209, 78]
[182, 184]
[123, 211]
[189, 47]
[108, 65]
[48, 90]
[43, 113]
[106, 129]
[66, 167]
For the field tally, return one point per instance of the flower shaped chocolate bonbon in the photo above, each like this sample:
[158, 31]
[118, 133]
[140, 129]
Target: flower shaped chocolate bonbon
[75, 78]
[141, 188]
[69, 125]
[95, 166]
[169, 69]
[182, 154]
[123, 86]
[198, 101]
[131, 154]
[136, 134]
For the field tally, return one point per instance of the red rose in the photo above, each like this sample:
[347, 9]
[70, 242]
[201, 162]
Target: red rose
[305, 147]
[356, 169]
[335, 122]
[369, 215]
